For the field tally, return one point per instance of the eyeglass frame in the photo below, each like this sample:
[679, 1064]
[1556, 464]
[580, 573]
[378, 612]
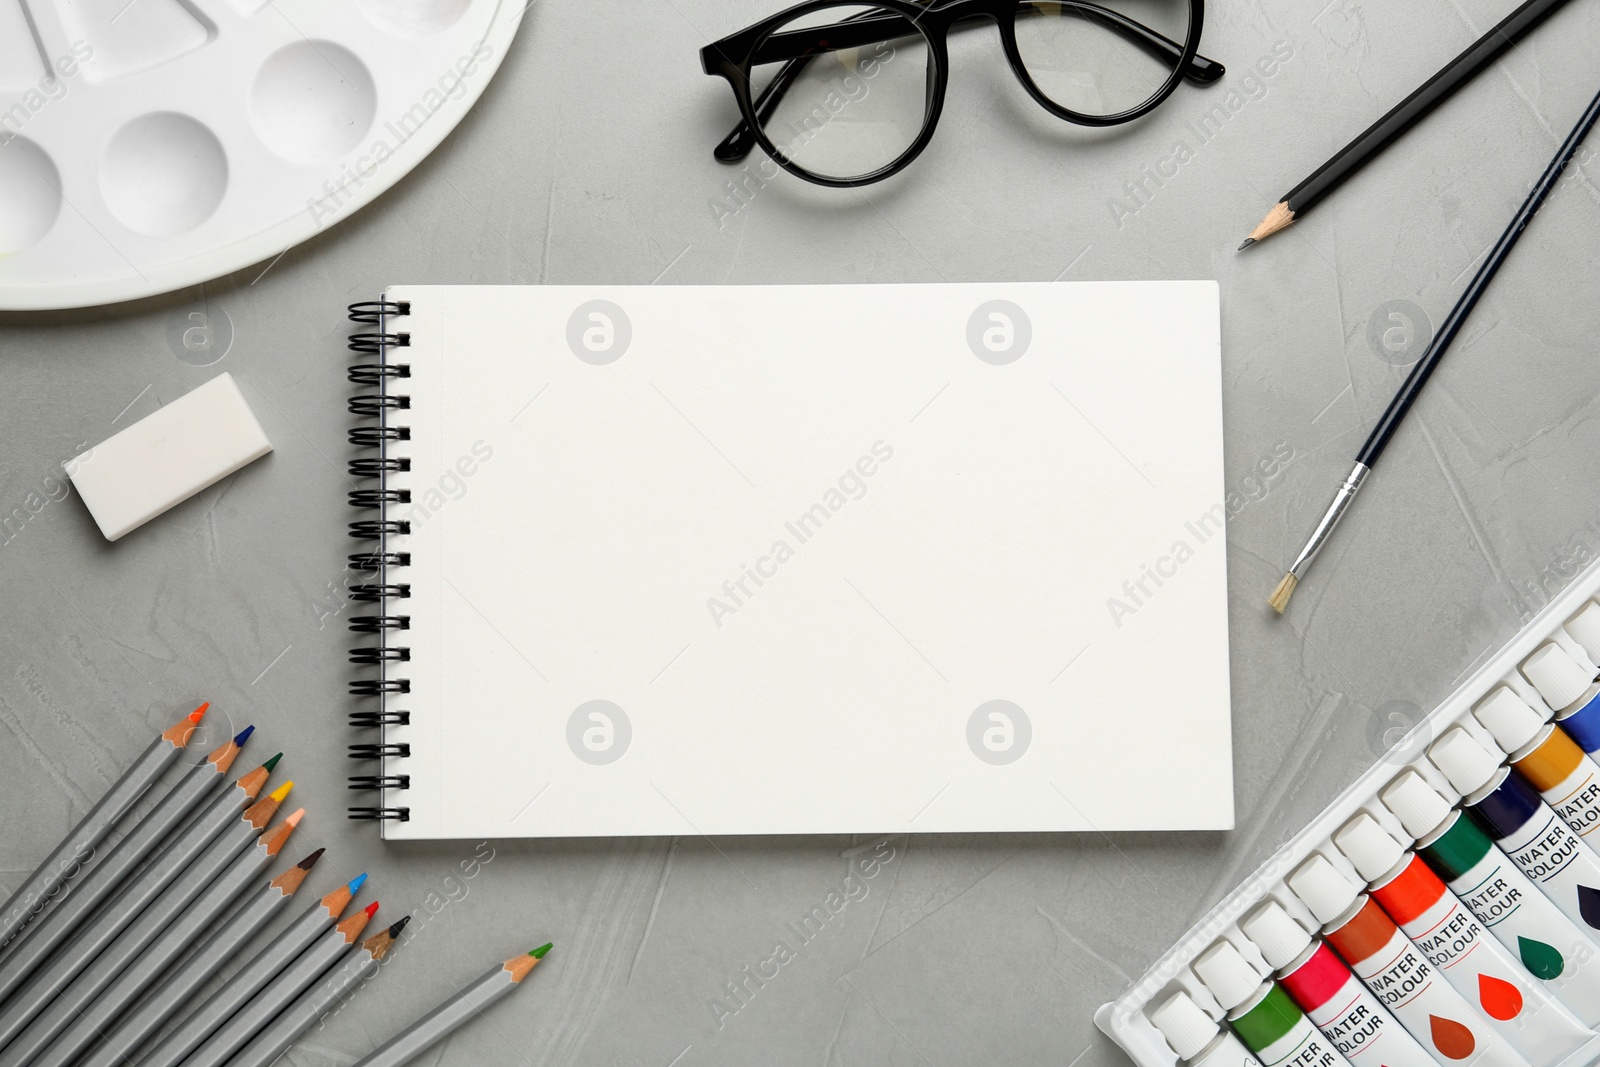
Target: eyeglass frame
[733, 57]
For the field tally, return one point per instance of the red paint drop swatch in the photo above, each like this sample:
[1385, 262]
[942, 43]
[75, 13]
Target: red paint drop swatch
[1451, 1038]
[1499, 998]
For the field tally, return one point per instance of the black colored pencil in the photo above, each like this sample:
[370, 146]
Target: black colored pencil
[1404, 115]
[1424, 368]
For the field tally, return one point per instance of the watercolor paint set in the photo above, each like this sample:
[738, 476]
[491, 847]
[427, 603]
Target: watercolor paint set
[1444, 911]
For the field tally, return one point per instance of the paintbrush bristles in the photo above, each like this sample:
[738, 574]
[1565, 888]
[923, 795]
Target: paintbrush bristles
[1285, 589]
[1280, 217]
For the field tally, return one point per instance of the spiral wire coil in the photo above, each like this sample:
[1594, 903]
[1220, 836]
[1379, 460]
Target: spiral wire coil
[377, 431]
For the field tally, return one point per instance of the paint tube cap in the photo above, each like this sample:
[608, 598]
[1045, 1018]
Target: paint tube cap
[1226, 973]
[1466, 763]
[1278, 936]
[1509, 718]
[1556, 675]
[1368, 846]
[1322, 889]
[1187, 1028]
[1417, 805]
[1584, 628]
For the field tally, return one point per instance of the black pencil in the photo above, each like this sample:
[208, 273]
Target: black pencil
[1404, 115]
[1412, 386]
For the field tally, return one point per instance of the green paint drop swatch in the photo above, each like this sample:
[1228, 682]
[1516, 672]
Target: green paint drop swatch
[1542, 960]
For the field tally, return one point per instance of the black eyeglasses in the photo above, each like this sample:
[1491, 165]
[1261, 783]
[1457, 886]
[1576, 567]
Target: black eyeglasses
[852, 91]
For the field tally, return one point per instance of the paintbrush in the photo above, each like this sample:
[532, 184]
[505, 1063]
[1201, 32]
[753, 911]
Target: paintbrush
[1412, 387]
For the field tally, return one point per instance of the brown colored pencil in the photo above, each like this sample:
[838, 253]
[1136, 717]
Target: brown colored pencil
[181, 983]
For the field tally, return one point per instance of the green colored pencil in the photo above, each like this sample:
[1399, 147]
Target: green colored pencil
[450, 1016]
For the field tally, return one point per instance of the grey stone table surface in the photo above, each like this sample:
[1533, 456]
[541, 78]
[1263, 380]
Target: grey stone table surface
[588, 160]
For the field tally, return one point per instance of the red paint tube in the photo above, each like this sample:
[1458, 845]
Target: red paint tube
[1405, 983]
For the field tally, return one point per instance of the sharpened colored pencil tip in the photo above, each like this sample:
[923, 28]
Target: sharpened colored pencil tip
[394, 931]
[294, 820]
[311, 860]
[199, 713]
[371, 909]
[282, 791]
[272, 763]
[539, 952]
[243, 735]
[357, 882]
[1248, 241]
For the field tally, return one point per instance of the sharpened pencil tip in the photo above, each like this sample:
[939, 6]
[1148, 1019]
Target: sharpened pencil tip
[272, 763]
[357, 882]
[294, 820]
[539, 952]
[311, 860]
[371, 909]
[1248, 241]
[243, 735]
[394, 931]
[199, 713]
[282, 791]
[1285, 589]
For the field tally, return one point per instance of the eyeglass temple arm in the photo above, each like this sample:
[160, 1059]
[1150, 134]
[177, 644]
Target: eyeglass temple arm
[798, 47]
[742, 139]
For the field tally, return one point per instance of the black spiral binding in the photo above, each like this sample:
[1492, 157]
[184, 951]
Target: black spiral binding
[377, 565]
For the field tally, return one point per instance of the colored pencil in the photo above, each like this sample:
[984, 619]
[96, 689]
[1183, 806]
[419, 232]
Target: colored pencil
[280, 992]
[317, 1001]
[94, 933]
[81, 1013]
[239, 989]
[79, 845]
[179, 986]
[51, 980]
[44, 937]
[1424, 368]
[1404, 115]
[198, 896]
[450, 1016]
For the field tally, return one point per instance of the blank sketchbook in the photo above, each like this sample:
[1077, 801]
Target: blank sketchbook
[801, 559]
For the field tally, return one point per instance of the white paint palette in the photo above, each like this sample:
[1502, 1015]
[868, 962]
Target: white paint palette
[146, 145]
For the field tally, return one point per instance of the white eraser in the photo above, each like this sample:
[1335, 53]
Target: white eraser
[166, 458]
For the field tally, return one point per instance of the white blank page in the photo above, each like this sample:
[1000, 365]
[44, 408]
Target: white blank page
[813, 559]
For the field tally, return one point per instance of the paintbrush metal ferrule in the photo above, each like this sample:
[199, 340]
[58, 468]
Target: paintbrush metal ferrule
[1330, 519]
